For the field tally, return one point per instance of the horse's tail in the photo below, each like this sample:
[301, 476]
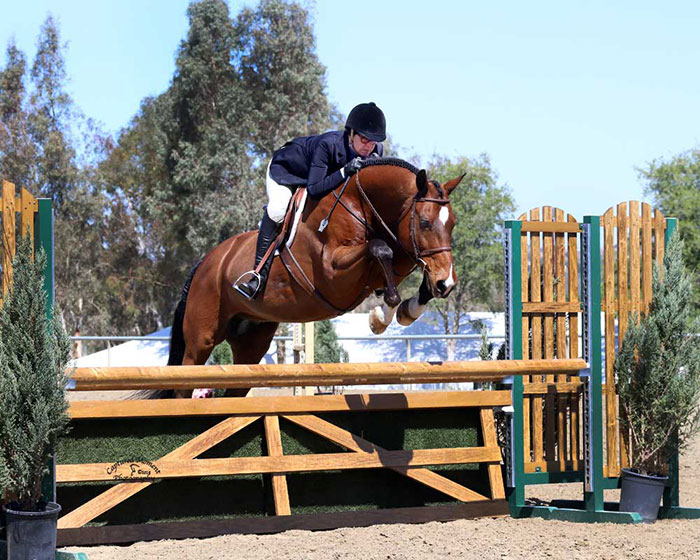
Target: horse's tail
[177, 341]
[177, 338]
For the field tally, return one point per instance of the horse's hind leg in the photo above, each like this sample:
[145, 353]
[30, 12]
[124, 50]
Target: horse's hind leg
[202, 331]
[249, 342]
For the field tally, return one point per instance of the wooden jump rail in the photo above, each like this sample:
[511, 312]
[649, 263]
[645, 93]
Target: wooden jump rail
[187, 461]
[294, 375]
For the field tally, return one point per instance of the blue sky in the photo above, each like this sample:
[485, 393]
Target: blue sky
[566, 98]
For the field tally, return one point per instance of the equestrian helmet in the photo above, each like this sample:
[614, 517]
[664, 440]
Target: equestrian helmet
[367, 119]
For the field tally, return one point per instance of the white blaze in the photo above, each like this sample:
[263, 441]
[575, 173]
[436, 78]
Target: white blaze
[444, 214]
[450, 277]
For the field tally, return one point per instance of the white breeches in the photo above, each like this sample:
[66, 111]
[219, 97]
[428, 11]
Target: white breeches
[277, 198]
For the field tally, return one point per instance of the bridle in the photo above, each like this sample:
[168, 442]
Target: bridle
[418, 253]
[417, 256]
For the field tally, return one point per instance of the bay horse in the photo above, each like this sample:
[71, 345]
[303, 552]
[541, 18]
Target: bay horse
[384, 221]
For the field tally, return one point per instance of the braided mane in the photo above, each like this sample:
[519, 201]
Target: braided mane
[396, 162]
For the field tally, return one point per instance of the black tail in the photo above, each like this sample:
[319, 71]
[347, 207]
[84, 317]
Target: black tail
[177, 338]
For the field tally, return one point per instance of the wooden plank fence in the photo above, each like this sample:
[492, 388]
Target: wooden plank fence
[13, 204]
[632, 239]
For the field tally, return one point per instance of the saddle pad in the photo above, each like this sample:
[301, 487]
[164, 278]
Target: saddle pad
[297, 206]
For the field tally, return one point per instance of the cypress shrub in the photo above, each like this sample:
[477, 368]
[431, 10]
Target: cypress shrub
[34, 351]
[658, 370]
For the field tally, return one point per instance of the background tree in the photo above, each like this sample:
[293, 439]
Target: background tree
[17, 151]
[48, 147]
[675, 186]
[481, 207]
[188, 172]
[327, 349]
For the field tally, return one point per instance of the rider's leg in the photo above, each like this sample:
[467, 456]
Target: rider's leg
[266, 235]
[278, 200]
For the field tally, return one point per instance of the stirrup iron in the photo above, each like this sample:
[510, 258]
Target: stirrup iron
[252, 274]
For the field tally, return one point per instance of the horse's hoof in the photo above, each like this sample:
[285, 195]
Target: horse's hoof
[376, 325]
[402, 315]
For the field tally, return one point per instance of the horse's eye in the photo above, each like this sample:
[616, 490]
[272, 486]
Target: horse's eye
[425, 224]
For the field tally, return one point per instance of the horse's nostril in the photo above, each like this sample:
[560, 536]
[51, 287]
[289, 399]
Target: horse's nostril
[441, 286]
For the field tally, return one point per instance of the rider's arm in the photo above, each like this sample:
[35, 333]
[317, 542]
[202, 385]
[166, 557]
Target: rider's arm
[318, 184]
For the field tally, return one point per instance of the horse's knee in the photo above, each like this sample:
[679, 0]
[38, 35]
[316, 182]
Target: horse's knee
[379, 249]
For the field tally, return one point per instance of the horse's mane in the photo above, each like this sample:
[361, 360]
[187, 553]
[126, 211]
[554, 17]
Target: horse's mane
[396, 162]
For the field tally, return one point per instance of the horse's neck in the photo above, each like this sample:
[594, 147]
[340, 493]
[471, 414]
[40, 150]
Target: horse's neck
[388, 193]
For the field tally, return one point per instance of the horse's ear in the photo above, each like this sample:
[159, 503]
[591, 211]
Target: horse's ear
[422, 182]
[450, 185]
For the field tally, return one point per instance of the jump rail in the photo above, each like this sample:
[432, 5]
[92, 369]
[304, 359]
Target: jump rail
[290, 375]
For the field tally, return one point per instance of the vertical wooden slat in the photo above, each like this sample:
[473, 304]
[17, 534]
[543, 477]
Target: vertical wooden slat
[548, 287]
[573, 348]
[574, 420]
[573, 296]
[634, 251]
[622, 289]
[274, 449]
[29, 207]
[488, 431]
[623, 307]
[659, 240]
[8, 233]
[560, 290]
[646, 257]
[536, 323]
[548, 295]
[610, 396]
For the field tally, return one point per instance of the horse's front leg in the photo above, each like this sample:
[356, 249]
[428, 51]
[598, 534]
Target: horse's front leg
[345, 257]
[411, 309]
[381, 316]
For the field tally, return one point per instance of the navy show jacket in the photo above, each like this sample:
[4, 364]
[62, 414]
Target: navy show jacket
[314, 161]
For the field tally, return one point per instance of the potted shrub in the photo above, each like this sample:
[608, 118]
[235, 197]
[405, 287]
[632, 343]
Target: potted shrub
[658, 375]
[34, 351]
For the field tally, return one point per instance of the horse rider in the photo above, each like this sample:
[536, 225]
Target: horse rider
[321, 163]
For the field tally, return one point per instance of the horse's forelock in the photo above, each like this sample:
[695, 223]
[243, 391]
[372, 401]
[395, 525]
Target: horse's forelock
[438, 187]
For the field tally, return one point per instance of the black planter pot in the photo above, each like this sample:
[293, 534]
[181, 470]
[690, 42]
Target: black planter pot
[642, 494]
[31, 534]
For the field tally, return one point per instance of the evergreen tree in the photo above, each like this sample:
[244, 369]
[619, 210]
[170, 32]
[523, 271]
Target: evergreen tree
[327, 349]
[51, 118]
[17, 151]
[675, 186]
[34, 351]
[658, 370]
[480, 206]
[189, 170]
[50, 149]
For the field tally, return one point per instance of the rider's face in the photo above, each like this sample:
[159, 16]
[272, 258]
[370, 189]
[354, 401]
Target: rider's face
[362, 146]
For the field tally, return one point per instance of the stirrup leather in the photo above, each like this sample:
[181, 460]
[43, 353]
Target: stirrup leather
[250, 275]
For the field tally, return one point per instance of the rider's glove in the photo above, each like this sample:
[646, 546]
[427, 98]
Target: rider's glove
[352, 167]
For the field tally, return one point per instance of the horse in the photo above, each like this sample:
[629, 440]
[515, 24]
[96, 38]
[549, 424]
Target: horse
[366, 236]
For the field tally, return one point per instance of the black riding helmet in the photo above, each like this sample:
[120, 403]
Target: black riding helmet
[367, 119]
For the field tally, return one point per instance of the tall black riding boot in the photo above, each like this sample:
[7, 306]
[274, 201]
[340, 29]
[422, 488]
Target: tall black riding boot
[266, 235]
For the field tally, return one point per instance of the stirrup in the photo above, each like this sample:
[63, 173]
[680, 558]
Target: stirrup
[252, 274]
